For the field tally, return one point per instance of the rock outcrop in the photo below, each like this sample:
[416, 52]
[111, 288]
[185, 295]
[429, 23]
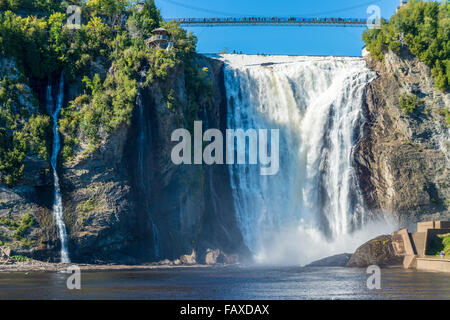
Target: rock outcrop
[378, 251]
[189, 258]
[338, 260]
[219, 257]
[127, 202]
[32, 195]
[403, 160]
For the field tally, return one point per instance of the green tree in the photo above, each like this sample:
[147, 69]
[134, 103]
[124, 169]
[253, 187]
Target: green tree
[144, 19]
[106, 7]
[408, 103]
[424, 27]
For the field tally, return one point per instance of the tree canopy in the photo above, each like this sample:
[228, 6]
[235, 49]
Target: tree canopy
[424, 28]
[106, 57]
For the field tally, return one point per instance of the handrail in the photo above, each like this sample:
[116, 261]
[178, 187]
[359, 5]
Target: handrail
[270, 21]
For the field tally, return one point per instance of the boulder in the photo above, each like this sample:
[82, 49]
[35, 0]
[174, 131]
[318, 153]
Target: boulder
[165, 262]
[5, 253]
[378, 251]
[189, 258]
[176, 262]
[217, 256]
[338, 260]
[214, 256]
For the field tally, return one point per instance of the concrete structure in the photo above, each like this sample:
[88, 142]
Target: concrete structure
[413, 246]
[160, 39]
[433, 264]
[424, 226]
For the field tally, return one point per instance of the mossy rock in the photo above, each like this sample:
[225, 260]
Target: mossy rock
[378, 251]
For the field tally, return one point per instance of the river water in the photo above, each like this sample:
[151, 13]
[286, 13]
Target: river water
[229, 283]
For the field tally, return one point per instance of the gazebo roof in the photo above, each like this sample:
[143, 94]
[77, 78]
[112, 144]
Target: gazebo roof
[160, 30]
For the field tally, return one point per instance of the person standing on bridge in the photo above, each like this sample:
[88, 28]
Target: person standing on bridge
[442, 253]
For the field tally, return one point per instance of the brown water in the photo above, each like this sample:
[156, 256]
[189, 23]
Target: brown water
[229, 283]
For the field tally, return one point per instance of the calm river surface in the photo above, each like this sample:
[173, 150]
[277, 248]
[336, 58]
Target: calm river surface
[228, 283]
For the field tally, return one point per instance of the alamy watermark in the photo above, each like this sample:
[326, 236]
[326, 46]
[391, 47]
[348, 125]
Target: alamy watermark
[73, 17]
[374, 20]
[236, 147]
[374, 281]
[74, 280]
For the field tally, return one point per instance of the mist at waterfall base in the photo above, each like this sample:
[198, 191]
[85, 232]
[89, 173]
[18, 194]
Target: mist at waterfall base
[313, 207]
[300, 245]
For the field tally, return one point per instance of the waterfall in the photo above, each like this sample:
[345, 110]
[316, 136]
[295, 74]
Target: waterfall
[316, 104]
[143, 173]
[57, 203]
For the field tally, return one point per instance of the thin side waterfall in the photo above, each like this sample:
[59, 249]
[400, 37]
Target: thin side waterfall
[57, 203]
[315, 199]
[143, 173]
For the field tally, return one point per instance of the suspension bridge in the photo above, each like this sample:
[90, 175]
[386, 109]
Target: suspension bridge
[272, 21]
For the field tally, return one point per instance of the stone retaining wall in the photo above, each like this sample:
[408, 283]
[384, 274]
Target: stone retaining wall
[433, 264]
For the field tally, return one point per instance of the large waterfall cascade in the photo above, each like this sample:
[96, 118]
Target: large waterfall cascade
[54, 111]
[314, 202]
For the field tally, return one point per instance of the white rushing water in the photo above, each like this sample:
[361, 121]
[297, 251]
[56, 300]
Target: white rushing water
[313, 206]
[57, 202]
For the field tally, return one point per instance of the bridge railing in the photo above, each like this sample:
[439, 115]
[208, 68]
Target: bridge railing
[270, 21]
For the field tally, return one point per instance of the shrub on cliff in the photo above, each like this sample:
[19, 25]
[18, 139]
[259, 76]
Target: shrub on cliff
[109, 100]
[25, 224]
[424, 27]
[408, 103]
[24, 131]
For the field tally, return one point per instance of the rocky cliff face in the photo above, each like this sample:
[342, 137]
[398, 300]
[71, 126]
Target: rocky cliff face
[403, 159]
[190, 204]
[128, 202]
[26, 223]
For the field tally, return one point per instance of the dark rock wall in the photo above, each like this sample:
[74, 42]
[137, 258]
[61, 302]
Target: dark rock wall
[127, 202]
[403, 160]
[33, 195]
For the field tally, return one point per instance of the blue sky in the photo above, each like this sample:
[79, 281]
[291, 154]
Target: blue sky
[277, 40]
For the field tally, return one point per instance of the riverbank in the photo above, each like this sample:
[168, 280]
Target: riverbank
[39, 266]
